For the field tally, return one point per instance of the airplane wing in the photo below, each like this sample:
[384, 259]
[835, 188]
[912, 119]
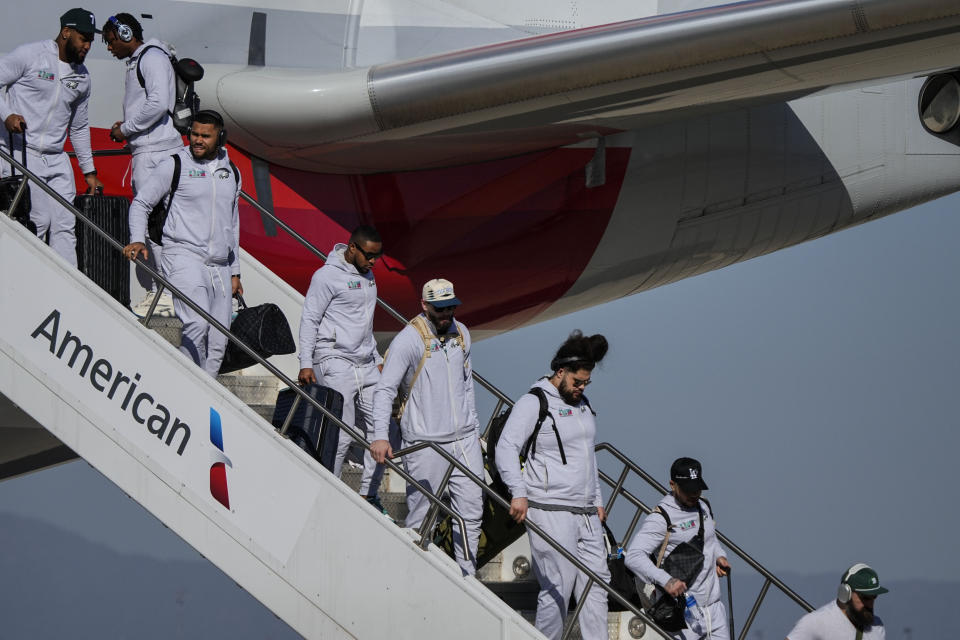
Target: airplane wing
[575, 86]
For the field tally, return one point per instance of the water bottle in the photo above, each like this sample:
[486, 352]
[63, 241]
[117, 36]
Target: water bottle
[691, 614]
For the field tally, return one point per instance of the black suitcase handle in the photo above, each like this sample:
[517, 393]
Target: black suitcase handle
[23, 151]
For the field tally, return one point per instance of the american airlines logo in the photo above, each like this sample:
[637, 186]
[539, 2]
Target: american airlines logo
[219, 462]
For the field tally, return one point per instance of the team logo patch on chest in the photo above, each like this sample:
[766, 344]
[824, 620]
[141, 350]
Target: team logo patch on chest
[353, 284]
[222, 173]
[434, 347]
[46, 75]
[565, 412]
[71, 84]
[689, 524]
[197, 173]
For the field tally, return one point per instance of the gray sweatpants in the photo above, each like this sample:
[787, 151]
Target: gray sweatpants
[210, 287]
[581, 535]
[142, 166]
[356, 383]
[53, 221]
[466, 498]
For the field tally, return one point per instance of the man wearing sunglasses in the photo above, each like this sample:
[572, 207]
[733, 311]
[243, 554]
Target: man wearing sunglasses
[558, 487]
[44, 93]
[429, 361]
[337, 347]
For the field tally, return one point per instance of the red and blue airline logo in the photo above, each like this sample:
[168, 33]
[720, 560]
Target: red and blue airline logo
[219, 460]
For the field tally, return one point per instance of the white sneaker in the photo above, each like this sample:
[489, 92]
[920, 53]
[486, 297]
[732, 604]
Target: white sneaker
[143, 306]
[164, 305]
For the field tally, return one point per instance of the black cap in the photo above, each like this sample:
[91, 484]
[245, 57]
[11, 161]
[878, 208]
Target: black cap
[688, 474]
[80, 20]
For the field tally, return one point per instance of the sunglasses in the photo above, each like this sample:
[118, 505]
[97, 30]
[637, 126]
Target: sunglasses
[369, 255]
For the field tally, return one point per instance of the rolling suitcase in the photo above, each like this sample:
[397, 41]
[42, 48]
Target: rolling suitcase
[310, 429]
[101, 262]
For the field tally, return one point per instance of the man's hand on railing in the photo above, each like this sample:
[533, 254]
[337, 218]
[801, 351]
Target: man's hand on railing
[132, 250]
[380, 450]
[723, 567]
[675, 587]
[518, 509]
[15, 123]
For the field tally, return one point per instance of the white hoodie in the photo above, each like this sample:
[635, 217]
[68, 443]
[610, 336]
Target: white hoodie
[146, 110]
[686, 524]
[545, 479]
[337, 319]
[52, 97]
[204, 217]
[441, 406]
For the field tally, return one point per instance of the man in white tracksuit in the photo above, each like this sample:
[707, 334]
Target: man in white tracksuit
[850, 615]
[201, 236]
[47, 93]
[684, 507]
[430, 360]
[337, 347]
[147, 126]
[558, 488]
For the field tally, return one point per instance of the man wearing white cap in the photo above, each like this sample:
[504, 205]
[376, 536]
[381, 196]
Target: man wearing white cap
[429, 363]
[850, 615]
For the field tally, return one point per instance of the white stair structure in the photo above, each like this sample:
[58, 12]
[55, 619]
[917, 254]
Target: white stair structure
[80, 375]
[82, 366]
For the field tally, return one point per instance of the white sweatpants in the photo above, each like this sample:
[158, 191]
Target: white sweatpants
[466, 498]
[356, 383]
[142, 166]
[714, 618]
[53, 221]
[582, 535]
[209, 286]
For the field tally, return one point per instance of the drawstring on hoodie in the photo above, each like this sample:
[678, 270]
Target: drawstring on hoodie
[211, 270]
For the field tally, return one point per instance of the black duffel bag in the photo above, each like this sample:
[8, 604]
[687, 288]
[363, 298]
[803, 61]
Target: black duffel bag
[9, 187]
[264, 329]
[684, 563]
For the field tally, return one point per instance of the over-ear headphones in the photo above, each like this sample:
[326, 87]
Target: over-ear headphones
[124, 31]
[844, 592]
[218, 121]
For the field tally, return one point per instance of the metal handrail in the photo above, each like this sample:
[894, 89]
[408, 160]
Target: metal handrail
[502, 400]
[350, 430]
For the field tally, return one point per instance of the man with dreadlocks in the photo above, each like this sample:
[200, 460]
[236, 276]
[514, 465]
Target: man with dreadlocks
[558, 488]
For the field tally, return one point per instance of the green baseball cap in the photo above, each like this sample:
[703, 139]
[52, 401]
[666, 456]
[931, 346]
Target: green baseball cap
[862, 579]
[80, 20]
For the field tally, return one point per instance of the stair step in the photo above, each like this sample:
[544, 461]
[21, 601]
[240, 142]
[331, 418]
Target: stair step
[168, 328]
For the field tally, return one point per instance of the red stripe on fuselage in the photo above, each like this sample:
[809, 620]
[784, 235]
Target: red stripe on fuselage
[512, 235]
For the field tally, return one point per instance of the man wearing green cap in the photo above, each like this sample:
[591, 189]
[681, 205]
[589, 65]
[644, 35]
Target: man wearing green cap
[47, 92]
[850, 615]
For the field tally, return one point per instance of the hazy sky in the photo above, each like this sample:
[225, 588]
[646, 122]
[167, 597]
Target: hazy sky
[818, 386]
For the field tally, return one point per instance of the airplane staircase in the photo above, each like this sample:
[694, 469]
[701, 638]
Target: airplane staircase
[214, 471]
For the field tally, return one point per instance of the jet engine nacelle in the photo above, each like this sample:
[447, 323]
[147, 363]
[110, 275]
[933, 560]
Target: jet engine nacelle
[939, 103]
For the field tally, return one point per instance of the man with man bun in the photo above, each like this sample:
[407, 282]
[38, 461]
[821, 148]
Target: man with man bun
[850, 615]
[558, 487]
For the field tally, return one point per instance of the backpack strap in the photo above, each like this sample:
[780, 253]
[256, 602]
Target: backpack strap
[174, 183]
[666, 538]
[236, 173]
[420, 324]
[709, 508]
[530, 446]
[140, 79]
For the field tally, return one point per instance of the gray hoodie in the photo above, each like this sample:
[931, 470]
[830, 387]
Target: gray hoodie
[544, 479]
[441, 406]
[52, 97]
[337, 319]
[686, 524]
[146, 120]
[203, 219]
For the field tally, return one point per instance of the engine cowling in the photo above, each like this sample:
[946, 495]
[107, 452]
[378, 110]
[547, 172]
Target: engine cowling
[939, 103]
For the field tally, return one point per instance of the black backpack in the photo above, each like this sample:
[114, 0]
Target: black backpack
[529, 447]
[186, 102]
[158, 217]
